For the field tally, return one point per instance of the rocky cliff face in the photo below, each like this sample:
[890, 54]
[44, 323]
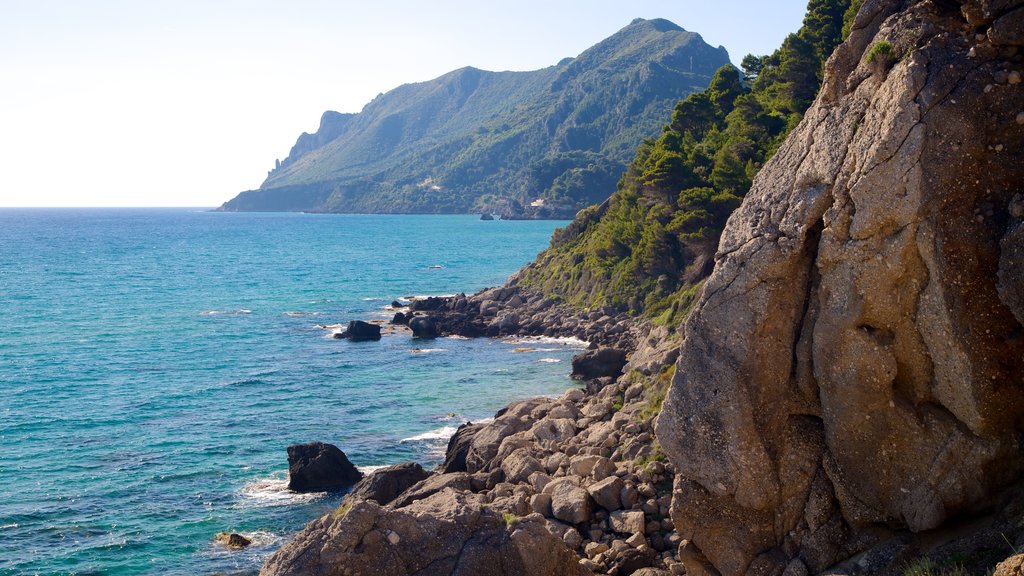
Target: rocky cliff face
[855, 363]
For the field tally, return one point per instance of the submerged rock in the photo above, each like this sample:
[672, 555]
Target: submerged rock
[319, 467]
[232, 540]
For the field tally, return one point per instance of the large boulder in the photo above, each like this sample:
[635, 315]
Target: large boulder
[358, 331]
[384, 485]
[319, 467]
[458, 447]
[598, 363]
[569, 502]
[851, 362]
[447, 534]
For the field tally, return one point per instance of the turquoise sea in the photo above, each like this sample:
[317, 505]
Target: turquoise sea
[155, 364]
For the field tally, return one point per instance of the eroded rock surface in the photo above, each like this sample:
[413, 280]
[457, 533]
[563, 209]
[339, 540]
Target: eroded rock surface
[856, 360]
[449, 533]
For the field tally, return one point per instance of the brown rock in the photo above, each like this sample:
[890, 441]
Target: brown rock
[519, 465]
[1012, 566]
[432, 485]
[607, 493]
[232, 540]
[458, 447]
[852, 329]
[569, 502]
[385, 484]
[447, 533]
[627, 522]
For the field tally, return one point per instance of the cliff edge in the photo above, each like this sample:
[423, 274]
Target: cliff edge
[855, 364]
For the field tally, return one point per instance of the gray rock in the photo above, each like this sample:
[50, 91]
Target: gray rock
[627, 521]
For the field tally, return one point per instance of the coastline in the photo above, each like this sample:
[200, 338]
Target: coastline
[579, 475]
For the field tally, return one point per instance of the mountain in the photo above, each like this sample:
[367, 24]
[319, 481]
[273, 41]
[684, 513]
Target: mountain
[648, 247]
[473, 140]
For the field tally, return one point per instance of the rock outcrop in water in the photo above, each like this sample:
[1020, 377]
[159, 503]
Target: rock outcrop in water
[319, 467]
[855, 364]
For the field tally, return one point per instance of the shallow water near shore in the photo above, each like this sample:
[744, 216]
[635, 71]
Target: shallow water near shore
[154, 365]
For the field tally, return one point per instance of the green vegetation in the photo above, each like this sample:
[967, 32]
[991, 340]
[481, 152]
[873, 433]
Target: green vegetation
[648, 247]
[926, 567]
[850, 16]
[654, 393]
[617, 403]
[342, 510]
[473, 140]
[510, 519]
[881, 54]
[655, 455]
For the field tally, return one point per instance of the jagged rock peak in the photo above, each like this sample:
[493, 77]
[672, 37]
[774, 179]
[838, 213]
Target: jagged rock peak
[855, 364]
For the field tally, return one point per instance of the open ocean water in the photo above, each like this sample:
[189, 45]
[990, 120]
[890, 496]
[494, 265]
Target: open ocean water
[155, 364]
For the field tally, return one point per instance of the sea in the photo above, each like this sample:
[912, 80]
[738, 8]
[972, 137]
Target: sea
[156, 363]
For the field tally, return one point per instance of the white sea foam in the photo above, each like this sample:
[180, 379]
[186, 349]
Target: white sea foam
[425, 296]
[367, 470]
[427, 350]
[274, 491]
[442, 433]
[372, 299]
[302, 313]
[568, 342]
[240, 312]
[9, 526]
[550, 360]
[458, 337]
[261, 537]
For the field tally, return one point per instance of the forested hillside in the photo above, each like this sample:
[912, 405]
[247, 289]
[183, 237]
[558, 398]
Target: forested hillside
[474, 140]
[648, 247]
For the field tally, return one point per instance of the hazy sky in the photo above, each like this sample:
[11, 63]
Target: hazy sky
[186, 103]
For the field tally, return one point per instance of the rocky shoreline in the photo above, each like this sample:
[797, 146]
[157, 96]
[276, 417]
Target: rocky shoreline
[579, 478]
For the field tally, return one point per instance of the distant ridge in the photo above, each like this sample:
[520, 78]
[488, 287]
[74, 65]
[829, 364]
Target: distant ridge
[472, 140]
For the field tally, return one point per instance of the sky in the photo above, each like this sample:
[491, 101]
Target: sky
[188, 102]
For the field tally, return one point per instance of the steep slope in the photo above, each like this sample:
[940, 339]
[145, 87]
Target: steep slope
[478, 140]
[649, 246]
[854, 368]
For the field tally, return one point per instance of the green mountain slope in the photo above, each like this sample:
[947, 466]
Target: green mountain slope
[648, 247]
[473, 140]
